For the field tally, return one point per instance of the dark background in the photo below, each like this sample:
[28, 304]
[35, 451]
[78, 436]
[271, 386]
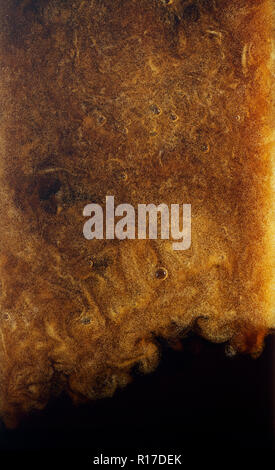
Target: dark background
[198, 402]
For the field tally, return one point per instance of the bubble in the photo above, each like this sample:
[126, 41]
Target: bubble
[121, 128]
[99, 118]
[173, 117]
[205, 148]
[123, 176]
[161, 273]
[155, 109]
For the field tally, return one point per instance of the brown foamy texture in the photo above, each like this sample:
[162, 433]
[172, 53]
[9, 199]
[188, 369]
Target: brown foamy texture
[153, 102]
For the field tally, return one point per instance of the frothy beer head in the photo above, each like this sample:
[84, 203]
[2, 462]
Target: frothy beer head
[150, 102]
